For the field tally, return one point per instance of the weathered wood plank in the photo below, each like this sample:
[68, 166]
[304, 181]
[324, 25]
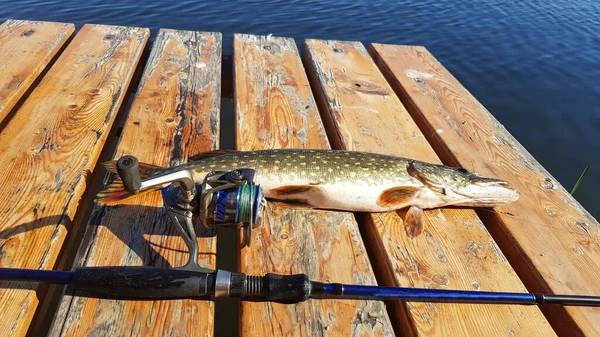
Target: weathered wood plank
[454, 251]
[175, 115]
[26, 48]
[275, 108]
[49, 148]
[550, 240]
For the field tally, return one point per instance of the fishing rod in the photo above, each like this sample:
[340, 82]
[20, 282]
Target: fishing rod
[150, 283]
[232, 199]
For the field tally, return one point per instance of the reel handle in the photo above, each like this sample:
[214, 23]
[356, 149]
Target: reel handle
[128, 168]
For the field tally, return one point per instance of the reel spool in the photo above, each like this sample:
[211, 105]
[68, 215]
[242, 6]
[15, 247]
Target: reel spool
[231, 199]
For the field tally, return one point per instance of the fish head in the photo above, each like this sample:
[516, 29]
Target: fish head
[457, 186]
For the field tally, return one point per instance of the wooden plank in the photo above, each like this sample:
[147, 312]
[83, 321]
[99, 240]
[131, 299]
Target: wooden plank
[274, 104]
[49, 148]
[26, 48]
[275, 108]
[175, 115]
[454, 251]
[550, 240]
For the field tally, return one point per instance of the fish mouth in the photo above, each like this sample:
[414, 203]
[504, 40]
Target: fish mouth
[456, 187]
[488, 193]
[484, 182]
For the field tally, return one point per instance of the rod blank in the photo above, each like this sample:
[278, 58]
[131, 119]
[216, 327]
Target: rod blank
[169, 283]
[34, 275]
[349, 291]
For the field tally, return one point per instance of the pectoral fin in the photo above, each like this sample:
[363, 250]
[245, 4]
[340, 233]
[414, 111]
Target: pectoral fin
[418, 174]
[397, 196]
[413, 222]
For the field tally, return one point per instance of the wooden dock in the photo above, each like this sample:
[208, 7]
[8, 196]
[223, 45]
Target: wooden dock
[69, 100]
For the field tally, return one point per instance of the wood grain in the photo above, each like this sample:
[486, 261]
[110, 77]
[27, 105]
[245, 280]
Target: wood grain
[273, 98]
[454, 250]
[551, 241]
[26, 48]
[276, 106]
[175, 114]
[48, 150]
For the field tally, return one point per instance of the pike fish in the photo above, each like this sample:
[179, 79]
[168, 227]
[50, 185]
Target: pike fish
[344, 180]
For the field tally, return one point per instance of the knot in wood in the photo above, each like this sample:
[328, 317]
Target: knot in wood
[441, 280]
[419, 80]
[28, 32]
[547, 184]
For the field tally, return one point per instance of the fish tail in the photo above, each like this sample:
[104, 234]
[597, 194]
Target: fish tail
[114, 190]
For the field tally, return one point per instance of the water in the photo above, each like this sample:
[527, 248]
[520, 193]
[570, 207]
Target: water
[534, 64]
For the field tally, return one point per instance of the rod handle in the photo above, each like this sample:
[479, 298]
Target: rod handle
[277, 288]
[143, 282]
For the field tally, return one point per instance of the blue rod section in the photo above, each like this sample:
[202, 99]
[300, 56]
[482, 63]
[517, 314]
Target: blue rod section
[34, 275]
[425, 295]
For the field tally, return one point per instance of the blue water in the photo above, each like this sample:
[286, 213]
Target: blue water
[534, 64]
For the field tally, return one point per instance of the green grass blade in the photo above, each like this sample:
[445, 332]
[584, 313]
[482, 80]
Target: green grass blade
[585, 171]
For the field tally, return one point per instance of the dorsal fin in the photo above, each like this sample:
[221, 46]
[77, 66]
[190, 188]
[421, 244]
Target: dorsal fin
[209, 154]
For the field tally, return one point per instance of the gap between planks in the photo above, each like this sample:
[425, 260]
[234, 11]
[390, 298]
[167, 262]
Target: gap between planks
[53, 158]
[552, 252]
[23, 81]
[42, 321]
[275, 108]
[362, 113]
[175, 114]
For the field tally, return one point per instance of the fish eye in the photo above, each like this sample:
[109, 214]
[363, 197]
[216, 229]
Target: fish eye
[462, 170]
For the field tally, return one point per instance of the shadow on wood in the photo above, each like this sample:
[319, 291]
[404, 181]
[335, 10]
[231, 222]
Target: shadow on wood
[131, 230]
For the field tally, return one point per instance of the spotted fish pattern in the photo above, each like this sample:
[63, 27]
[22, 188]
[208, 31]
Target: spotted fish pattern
[348, 180]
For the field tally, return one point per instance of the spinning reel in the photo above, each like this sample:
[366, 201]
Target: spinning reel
[225, 199]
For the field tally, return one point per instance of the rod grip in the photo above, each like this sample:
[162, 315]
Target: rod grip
[128, 168]
[277, 288]
[143, 282]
